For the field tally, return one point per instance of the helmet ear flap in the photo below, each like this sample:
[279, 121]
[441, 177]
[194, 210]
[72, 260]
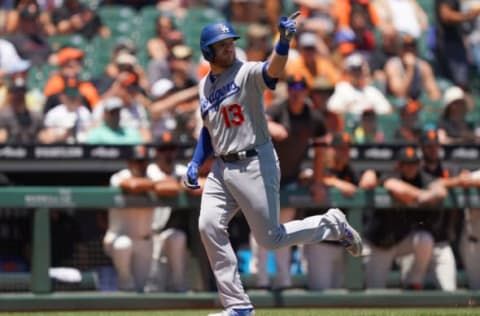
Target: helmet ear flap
[208, 52]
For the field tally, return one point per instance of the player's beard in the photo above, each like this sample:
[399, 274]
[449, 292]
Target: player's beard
[226, 61]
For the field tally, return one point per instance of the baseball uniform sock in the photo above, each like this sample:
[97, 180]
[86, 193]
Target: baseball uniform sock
[236, 312]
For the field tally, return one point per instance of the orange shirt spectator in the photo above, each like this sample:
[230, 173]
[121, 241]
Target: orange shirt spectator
[310, 63]
[342, 10]
[70, 62]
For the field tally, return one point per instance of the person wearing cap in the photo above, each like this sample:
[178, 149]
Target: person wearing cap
[453, 128]
[393, 233]
[312, 60]
[111, 131]
[447, 221]
[292, 125]
[18, 124]
[408, 75]
[128, 239]
[325, 261]
[163, 109]
[133, 113]
[355, 93]
[30, 38]
[169, 228]
[69, 121]
[409, 129]
[320, 92]
[74, 17]
[368, 130]
[70, 63]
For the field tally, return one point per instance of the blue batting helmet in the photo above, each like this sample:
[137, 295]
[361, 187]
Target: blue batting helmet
[212, 33]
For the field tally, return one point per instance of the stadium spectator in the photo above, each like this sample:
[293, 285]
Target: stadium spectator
[137, 5]
[128, 240]
[325, 261]
[166, 37]
[358, 37]
[394, 233]
[70, 63]
[450, 49]
[249, 11]
[30, 39]
[133, 113]
[317, 17]
[73, 17]
[408, 75]
[110, 131]
[163, 109]
[10, 63]
[258, 42]
[18, 125]
[169, 258]
[320, 92]
[472, 36]
[313, 60]
[292, 126]
[409, 129]
[355, 93]
[444, 225]
[368, 131]
[453, 127]
[124, 63]
[405, 16]
[69, 121]
[470, 238]
[386, 49]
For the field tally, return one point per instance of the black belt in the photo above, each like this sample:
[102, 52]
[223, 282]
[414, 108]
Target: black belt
[241, 155]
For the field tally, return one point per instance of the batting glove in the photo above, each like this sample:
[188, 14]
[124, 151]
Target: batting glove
[191, 177]
[287, 26]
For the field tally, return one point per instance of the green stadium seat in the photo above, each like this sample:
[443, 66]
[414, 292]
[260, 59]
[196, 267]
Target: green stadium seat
[58, 41]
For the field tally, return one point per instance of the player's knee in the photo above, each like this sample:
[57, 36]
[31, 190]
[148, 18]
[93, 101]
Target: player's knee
[208, 227]
[423, 240]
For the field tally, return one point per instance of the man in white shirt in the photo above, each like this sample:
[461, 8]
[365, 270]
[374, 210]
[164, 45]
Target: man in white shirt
[355, 94]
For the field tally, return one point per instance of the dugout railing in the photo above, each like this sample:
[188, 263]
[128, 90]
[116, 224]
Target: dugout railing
[41, 199]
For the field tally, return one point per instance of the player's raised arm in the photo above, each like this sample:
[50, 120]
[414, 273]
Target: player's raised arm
[287, 29]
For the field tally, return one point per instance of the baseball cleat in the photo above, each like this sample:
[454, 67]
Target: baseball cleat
[351, 240]
[236, 312]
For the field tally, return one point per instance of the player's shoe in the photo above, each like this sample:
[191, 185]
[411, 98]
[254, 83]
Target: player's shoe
[351, 240]
[235, 312]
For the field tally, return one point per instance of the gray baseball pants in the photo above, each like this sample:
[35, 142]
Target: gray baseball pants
[252, 186]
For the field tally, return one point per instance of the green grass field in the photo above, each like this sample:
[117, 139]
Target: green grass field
[279, 312]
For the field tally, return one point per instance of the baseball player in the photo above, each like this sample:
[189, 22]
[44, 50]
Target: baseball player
[245, 173]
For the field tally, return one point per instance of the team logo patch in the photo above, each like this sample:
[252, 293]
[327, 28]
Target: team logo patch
[215, 98]
[224, 28]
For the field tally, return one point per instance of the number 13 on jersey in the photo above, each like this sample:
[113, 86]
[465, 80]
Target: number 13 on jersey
[232, 115]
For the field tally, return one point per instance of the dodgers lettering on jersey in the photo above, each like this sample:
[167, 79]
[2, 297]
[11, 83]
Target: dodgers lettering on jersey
[232, 108]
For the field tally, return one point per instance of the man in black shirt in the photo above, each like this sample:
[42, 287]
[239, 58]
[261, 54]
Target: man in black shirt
[325, 261]
[401, 231]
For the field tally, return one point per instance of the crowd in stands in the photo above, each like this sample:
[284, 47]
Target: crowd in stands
[371, 71]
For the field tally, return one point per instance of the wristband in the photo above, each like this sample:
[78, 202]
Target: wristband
[282, 48]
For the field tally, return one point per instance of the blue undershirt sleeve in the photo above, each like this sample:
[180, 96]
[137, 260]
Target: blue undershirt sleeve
[271, 83]
[204, 148]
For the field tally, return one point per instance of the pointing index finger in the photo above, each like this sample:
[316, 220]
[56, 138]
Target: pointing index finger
[294, 15]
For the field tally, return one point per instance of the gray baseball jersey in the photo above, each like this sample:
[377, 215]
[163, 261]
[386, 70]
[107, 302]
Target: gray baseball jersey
[232, 108]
